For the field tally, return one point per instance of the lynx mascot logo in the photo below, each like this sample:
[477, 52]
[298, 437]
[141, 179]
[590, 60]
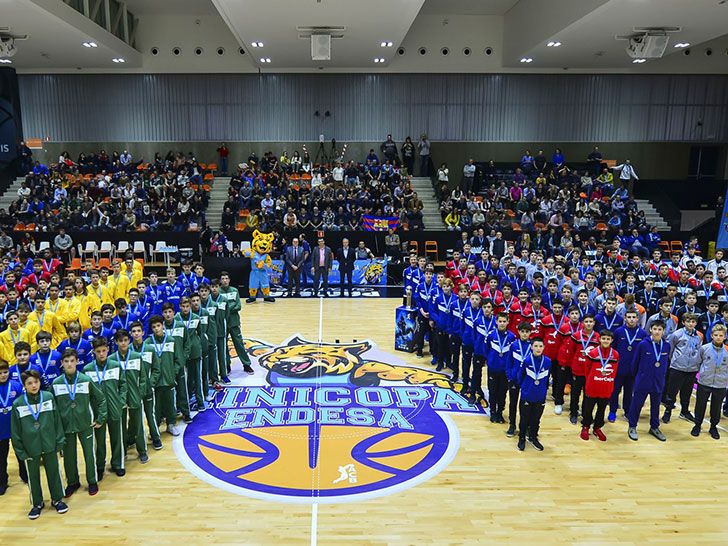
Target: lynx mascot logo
[259, 255]
[324, 423]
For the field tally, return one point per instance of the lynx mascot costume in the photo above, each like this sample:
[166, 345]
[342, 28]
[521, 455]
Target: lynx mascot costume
[259, 255]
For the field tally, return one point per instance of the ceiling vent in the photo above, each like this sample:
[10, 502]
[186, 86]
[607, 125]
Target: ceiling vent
[320, 47]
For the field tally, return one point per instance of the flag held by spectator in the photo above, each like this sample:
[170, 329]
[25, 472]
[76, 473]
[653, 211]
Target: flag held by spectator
[379, 223]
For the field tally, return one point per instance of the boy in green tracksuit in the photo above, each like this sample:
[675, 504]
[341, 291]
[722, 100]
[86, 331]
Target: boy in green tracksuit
[193, 365]
[209, 308]
[177, 333]
[164, 371]
[37, 434]
[149, 399]
[232, 296]
[110, 379]
[135, 380]
[220, 303]
[207, 348]
[82, 405]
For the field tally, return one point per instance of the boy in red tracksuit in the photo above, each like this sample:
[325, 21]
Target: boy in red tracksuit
[507, 298]
[493, 294]
[535, 313]
[601, 369]
[562, 371]
[581, 342]
[515, 313]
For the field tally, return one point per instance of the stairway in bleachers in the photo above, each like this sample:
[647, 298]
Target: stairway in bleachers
[218, 196]
[431, 213]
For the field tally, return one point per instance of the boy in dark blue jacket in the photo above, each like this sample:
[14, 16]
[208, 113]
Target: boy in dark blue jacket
[520, 349]
[498, 349]
[483, 326]
[533, 378]
[626, 340]
[422, 298]
[440, 320]
[9, 391]
[456, 328]
[471, 315]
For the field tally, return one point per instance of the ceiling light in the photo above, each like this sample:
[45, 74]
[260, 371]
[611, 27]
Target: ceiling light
[90, 44]
[553, 44]
[5, 61]
[639, 61]
[265, 59]
[386, 44]
[682, 44]
[379, 59]
[257, 44]
[118, 60]
[526, 60]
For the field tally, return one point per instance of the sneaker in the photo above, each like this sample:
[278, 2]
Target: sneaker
[573, 419]
[439, 368]
[248, 369]
[695, 431]
[210, 396]
[612, 417]
[157, 444]
[418, 355]
[187, 419]
[172, 429]
[202, 407]
[250, 300]
[666, 416]
[35, 511]
[144, 458]
[632, 433]
[584, 433]
[657, 433]
[120, 472]
[600, 435]
[217, 385]
[434, 360]
[269, 300]
[511, 432]
[71, 489]
[521, 444]
[471, 400]
[226, 380]
[535, 443]
[60, 506]
[93, 488]
[3, 488]
[714, 433]
[687, 416]
[558, 409]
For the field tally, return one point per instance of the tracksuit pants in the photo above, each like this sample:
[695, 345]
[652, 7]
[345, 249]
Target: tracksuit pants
[132, 423]
[561, 376]
[587, 409]
[4, 452]
[116, 439]
[150, 411]
[716, 398]
[222, 363]
[625, 383]
[679, 382]
[476, 381]
[467, 361]
[182, 401]
[233, 331]
[195, 386]
[443, 348]
[53, 477]
[577, 387]
[209, 364]
[531, 413]
[636, 408]
[454, 363]
[70, 456]
[165, 405]
[423, 328]
[514, 392]
[497, 388]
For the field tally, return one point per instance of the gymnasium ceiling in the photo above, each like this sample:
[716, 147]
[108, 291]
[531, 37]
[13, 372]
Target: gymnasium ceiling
[478, 35]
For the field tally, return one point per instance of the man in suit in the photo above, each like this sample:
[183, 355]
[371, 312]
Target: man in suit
[321, 259]
[345, 257]
[295, 257]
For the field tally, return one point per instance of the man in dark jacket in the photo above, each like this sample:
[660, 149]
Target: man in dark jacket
[321, 259]
[345, 257]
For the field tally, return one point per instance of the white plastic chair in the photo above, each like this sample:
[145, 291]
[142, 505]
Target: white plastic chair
[122, 247]
[43, 245]
[90, 248]
[140, 248]
[106, 248]
[156, 250]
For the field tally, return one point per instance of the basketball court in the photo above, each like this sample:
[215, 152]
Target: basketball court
[359, 455]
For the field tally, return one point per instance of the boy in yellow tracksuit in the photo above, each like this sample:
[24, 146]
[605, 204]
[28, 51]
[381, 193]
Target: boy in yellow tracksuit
[47, 321]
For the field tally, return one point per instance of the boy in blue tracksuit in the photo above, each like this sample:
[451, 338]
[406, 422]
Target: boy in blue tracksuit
[533, 378]
[172, 290]
[483, 325]
[651, 368]
[626, 340]
[97, 329]
[436, 293]
[440, 319]
[123, 318]
[155, 295]
[422, 297]
[75, 341]
[9, 391]
[519, 350]
[457, 307]
[46, 360]
[498, 348]
[471, 315]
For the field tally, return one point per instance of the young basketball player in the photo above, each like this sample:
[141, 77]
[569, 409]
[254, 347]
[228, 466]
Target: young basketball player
[533, 379]
[601, 369]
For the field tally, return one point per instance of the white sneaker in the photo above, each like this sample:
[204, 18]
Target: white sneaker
[558, 409]
[173, 430]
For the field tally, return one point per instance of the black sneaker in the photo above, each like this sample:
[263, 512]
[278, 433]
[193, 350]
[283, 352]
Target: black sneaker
[250, 300]
[187, 419]
[535, 443]
[573, 419]
[93, 488]
[714, 433]
[120, 472]
[157, 444]
[687, 416]
[500, 418]
[71, 489]
[144, 458]
[269, 299]
[439, 368]
[521, 444]
[35, 511]
[3, 488]
[666, 416]
[471, 399]
[696, 431]
[60, 506]
[248, 369]
[511, 431]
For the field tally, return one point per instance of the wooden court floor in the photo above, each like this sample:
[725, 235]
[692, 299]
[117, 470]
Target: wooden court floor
[573, 492]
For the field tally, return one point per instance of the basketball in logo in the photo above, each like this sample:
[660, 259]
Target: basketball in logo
[325, 423]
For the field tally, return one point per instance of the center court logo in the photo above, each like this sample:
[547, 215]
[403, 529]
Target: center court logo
[324, 423]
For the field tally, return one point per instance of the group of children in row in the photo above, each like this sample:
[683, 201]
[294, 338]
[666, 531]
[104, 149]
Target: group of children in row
[579, 335]
[85, 368]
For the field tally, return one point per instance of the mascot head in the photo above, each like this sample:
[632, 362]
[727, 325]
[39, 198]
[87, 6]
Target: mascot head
[262, 242]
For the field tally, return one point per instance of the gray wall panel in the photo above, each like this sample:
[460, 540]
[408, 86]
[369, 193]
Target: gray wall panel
[449, 107]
